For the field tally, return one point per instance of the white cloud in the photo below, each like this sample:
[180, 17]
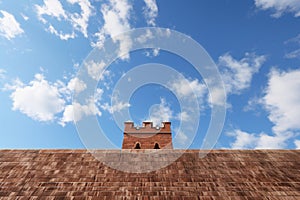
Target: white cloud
[76, 111]
[156, 51]
[150, 11]
[24, 17]
[9, 27]
[293, 54]
[52, 8]
[295, 42]
[297, 144]
[79, 21]
[185, 88]
[282, 100]
[39, 100]
[116, 17]
[244, 140]
[280, 6]
[116, 107]
[95, 70]
[143, 38]
[272, 142]
[60, 34]
[77, 85]
[42, 100]
[160, 113]
[237, 74]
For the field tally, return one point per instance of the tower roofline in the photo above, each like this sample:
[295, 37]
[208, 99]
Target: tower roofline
[147, 127]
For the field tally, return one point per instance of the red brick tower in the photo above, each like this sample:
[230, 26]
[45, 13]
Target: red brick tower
[147, 136]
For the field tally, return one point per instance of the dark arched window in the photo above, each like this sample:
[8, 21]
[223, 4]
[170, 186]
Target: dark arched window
[156, 146]
[137, 146]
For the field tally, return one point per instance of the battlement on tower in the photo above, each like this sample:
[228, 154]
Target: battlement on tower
[147, 136]
[147, 127]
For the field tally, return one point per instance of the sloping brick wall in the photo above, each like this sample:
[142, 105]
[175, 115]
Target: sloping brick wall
[222, 174]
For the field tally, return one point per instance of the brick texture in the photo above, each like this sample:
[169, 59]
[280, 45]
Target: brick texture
[222, 174]
[147, 136]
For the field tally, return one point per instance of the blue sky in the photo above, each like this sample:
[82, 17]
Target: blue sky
[255, 45]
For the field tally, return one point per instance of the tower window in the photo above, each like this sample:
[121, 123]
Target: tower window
[156, 146]
[137, 146]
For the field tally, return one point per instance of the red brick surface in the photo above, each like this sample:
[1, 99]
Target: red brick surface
[222, 174]
[147, 136]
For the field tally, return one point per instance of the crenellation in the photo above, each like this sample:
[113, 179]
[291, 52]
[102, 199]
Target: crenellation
[147, 136]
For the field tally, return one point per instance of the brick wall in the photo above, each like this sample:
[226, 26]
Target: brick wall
[147, 136]
[222, 174]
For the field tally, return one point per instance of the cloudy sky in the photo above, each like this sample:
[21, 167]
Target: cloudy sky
[255, 45]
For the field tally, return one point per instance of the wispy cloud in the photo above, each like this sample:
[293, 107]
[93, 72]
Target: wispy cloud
[60, 34]
[237, 74]
[280, 6]
[296, 42]
[293, 54]
[150, 12]
[78, 21]
[51, 8]
[9, 27]
[116, 16]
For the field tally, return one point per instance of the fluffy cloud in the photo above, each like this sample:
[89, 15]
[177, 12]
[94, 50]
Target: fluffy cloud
[116, 15]
[185, 88]
[244, 140]
[77, 85]
[237, 74]
[76, 111]
[280, 6]
[9, 27]
[160, 113]
[282, 100]
[39, 99]
[95, 70]
[150, 11]
[79, 21]
[42, 100]
[52, 8]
